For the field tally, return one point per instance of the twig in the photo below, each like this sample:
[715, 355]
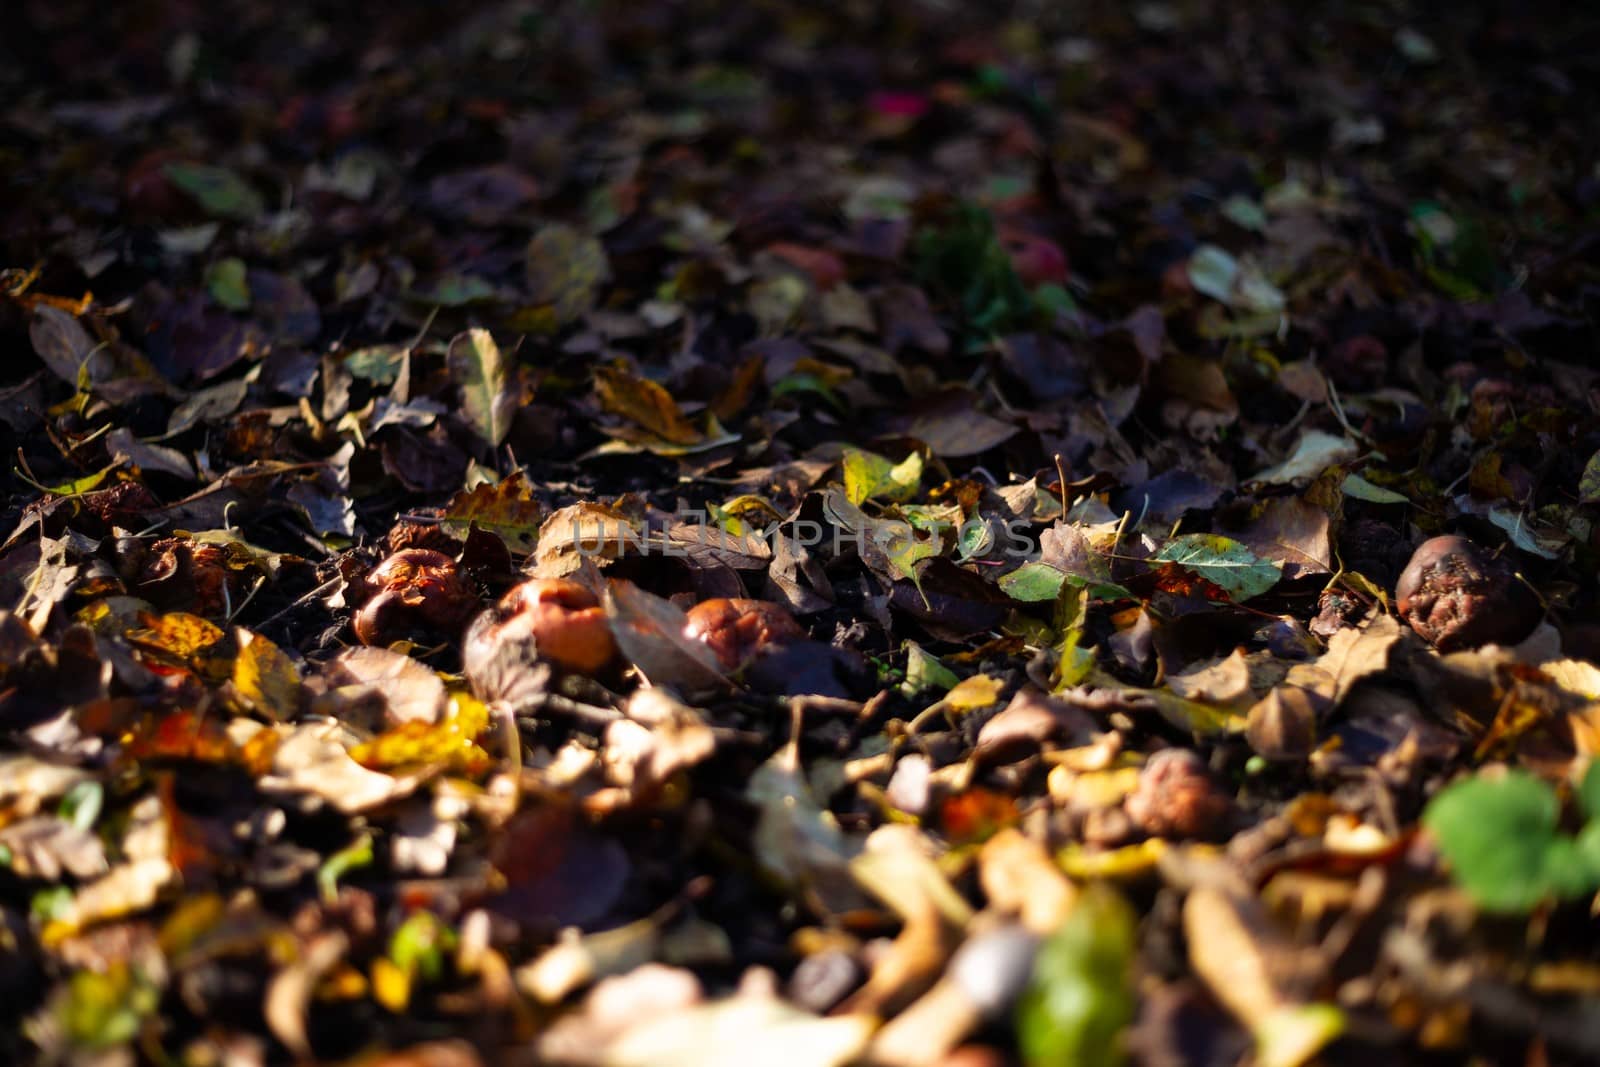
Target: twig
[325, 587]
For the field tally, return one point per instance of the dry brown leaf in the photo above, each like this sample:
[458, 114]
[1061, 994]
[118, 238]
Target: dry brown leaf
[410, 691]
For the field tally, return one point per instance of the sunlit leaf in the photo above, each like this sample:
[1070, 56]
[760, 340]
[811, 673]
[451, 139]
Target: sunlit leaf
[1032, 582]
[450, 742]
[868, 476]
[1073, 661]
[100, 1010]
[979, 691]
[1360, 489]
[644, 403]
[1224, 562]
[176, 637]
[264, 678]
[507, 509]
[482, 374]
[1500, 836]
[352, 857]
[923, 671]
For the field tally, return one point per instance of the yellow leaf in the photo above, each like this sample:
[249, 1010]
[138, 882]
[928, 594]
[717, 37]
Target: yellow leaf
[176, 637]
[868, 475]
[643, 403]
[264, 679]
[507, 509]
[391, 986]
[979, 691]
[1117, 864]
[1575, 676]
[450, 741]
[487, 397]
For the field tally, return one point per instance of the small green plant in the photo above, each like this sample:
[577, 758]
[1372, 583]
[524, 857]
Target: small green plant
[1503, 839]
[962, 259]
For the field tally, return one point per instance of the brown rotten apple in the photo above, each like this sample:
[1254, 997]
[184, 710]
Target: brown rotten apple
[1456, 596]
[551, 619]
[414, 589]
[739, 630]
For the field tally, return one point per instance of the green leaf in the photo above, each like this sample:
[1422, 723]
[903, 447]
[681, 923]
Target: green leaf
[973, 539]
[1054, 300]
[225, 281]
[1358, 487]
[418, 947]
[1032, 582]
[378, 364]
[962, 259]
[477, 366]
[1589, 791]
[354, 855]
[79, 486]
[924, 671]
[1589, 482]
[98, 1010]
[1074, 661]
[218, 190]
[1224, 562]
[868, 475]
[1081, 996]
[1294, 1034]
[81, 806]
[1499, 836]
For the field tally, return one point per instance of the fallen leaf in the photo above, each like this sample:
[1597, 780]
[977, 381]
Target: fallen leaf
[644, 403]
[410, 691]
[484, 377]
[506, 508]
[264, 679]
[218, 190]
[565, 271]
[1224, 562]
[311, 761]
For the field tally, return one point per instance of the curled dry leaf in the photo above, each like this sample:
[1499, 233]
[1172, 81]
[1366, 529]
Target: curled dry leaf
[650, 631]
[578, 532]
[410, 691]
[660, 738]
[288, 995]
[312, 762]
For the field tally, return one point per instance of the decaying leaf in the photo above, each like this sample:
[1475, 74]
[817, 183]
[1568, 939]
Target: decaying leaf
[507, 509]
[1224, 562]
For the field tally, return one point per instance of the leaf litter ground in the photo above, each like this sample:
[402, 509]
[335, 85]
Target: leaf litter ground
[1059, 393]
